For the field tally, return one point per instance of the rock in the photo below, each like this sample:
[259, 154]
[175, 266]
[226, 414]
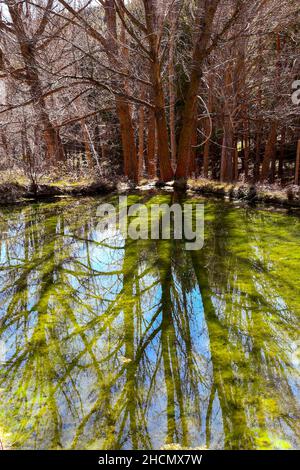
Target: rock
[123, 187]
[170, 184]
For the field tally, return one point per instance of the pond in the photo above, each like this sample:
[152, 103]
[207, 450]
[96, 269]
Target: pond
[112, 343]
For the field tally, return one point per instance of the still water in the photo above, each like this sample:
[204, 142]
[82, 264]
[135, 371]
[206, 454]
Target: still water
[110, 343]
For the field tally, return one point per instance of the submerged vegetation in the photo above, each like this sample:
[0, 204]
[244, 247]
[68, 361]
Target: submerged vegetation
[109, 342]
[114, 343]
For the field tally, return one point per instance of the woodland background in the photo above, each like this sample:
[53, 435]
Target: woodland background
[150, 89]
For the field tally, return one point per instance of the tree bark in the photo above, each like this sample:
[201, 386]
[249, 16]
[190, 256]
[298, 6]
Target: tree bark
[193, 148]
[141, 114]
[207, 131]
[297, 164]
[227, 152]
[86, 142]
[53, 145]
[269, 151]
[256, 173]
[226, 173]
[122, 106]
[166, 171]
[151, 160]
[281, 155]
[203, 36]
[246, 145]
[172, 87]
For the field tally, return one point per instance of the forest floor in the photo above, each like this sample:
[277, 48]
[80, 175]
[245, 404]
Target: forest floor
[19, 188]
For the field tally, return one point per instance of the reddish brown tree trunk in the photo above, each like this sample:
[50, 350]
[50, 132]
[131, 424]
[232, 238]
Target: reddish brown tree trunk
[166, 171]
[207, 132]
[246, 145]
[172, 88]
[201, 41]
[297, 166]
[206, 159]
[269, 152]
[227, 152]
[123, 108]
[226, 173]
[141, 142]
[151, 160]
[256, 174]
[128, 140]
[281, 155]
[193, 149]
[236, 164]
[187, 128]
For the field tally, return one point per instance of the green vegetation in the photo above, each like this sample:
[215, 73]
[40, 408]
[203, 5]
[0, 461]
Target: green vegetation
[117, 343]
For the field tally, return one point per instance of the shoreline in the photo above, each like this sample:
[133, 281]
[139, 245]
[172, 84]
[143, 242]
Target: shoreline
[15, 193]
[245, 192]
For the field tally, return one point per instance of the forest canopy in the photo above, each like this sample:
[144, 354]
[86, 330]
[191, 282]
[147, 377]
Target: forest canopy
[156, 89]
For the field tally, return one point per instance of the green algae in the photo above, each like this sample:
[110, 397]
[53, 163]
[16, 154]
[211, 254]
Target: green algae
[119, 344]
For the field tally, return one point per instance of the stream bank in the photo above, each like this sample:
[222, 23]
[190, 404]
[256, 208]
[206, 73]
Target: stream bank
[14, 192]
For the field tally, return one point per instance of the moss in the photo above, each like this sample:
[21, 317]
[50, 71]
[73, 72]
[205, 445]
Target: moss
[289, 197]
[120, 343]
[14, 192]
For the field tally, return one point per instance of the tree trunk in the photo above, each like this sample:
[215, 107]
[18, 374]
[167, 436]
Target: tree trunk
[281, 155]
[151, 160]
[53, 146]
[273, 168]
[183, 157]
[193, 149]
[236, 164]
[172, 88]
[227, 153]
[141, 142]
[228, 136]
[207, 131]
[203, 36]
[166, 171]
[123, 108]
[246, 145]
[86, 142]
[256, 173]
[128, 140]
[269, 151]
[297, 164]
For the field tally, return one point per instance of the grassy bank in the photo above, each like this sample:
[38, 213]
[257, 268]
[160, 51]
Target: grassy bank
[17, 188]
[269, 194]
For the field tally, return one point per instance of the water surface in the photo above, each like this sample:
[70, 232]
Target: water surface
[110, 343]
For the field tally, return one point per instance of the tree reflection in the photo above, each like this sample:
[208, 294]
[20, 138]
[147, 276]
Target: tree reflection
[114, 343]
